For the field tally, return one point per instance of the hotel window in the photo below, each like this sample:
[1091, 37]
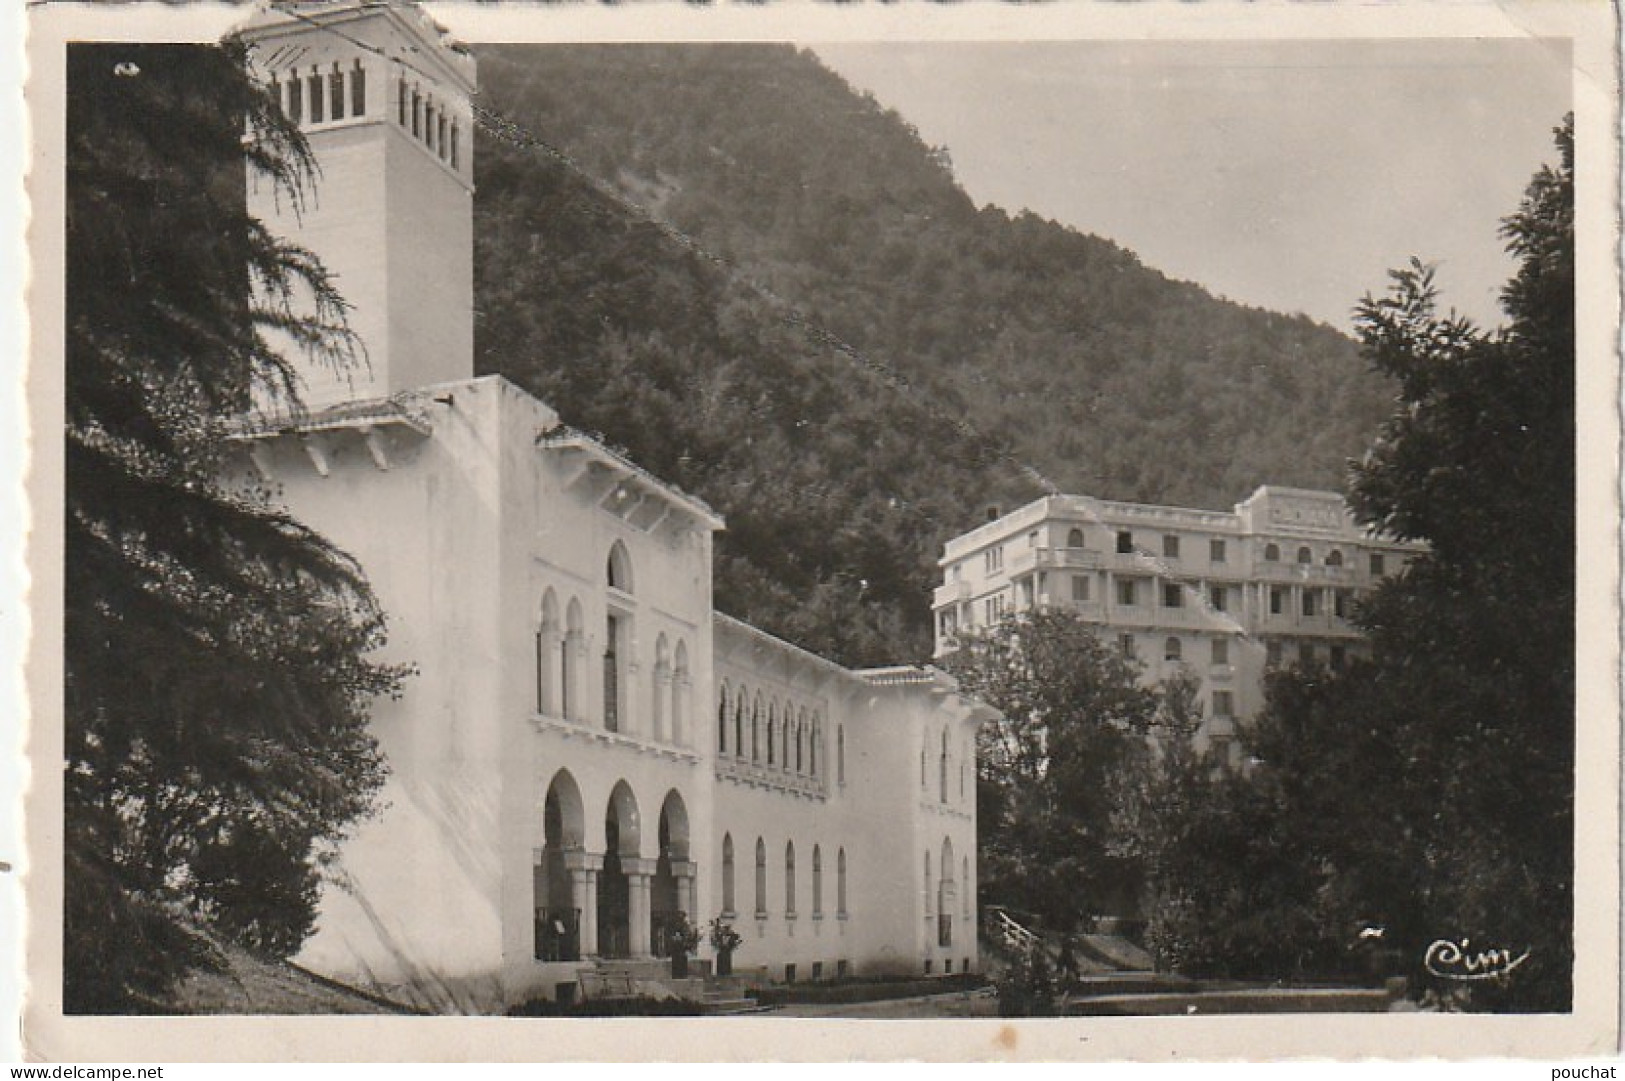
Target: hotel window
[1080, 587]
[1272, 553]
[722, 721]
[1277, 600]
[1074, 538]
[1215, 551]
[1305, 555]
[1219, 597]
[1125, 642]
[612, 674]
[400, 102]
[454, 141]
[1127, 593]
[1170, 546]
[296, 99]
[1172, 650]
[1334, 558]
[840, 754]
[1221, 651]
[1222, 705]
[1376, 565]
[761, 879]
[1340, 603]
[1309, 596]
[1272, 654]
[993, 560]
[1125, 542]
[314, 84]
[1173, 595]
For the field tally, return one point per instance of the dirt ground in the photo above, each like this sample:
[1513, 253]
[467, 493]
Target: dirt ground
[960, 1004]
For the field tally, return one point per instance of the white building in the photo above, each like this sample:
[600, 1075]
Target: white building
[587, 747]
[1221, 595]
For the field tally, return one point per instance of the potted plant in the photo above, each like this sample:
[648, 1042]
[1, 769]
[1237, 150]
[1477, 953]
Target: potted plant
[725, 940]
[682, 938]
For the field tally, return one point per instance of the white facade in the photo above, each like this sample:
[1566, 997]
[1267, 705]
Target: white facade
[1221, 595]
[585, 747]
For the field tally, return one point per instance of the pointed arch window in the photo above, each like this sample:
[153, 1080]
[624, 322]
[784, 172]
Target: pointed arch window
[840, 754]
[942, 769]
[818, 882]
[840, 882]
[722, 719]
[761, 878]
[789, 878]
[727, 874]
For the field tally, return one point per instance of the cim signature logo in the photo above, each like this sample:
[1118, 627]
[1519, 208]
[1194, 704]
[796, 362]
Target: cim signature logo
[1452, 960]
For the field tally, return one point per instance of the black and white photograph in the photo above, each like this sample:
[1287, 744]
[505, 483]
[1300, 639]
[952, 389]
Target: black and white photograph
[759, 519]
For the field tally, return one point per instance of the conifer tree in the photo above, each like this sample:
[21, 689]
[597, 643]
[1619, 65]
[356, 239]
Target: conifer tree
[217, 682]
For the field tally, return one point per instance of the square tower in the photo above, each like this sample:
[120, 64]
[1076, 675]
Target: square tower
[383, 96]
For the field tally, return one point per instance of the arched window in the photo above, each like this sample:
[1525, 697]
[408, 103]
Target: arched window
[1334, 558]
[928, 884]
[572, 659]
[682, 690]
[772, 726]
[727, 874]
[739, 724]
[618, 568]
[1305, 555]
[800, 739]
[1074, 538]
[1272, 553]
[840, 882]
[942, 769]
[761, 877]
[756, 730]
[722, 719]
[840, 754]
[789, 878]
[1172, 650]
[818, 882]
[548, 656]
[813, 741]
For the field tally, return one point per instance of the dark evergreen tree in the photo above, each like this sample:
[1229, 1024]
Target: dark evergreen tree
[217, 683]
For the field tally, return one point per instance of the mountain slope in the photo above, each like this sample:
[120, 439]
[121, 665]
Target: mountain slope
[1015, 340]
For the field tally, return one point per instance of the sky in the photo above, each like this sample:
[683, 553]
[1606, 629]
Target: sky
[1289, 175]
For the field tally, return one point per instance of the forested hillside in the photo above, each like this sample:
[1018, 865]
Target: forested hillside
[1014, 341]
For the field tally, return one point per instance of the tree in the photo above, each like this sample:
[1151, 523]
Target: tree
[1074, 714]
[217, 683]
[1434, 784]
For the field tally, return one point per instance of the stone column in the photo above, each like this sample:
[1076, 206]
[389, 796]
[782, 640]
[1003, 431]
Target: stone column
[684, 872]
[584, 868]
[639, 872]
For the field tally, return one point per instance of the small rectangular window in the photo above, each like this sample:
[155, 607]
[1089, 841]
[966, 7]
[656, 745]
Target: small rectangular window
[928, 966]
[1222, 705]
[1080, 587]
[1340, 603]
[1219, 597]
[315, 84]
[1339, 656]
[336, 93]
[1309, 596]
[1277, 600]
[1215, 550]
[817, 971]
[1377, 569]
[296, 99]
[454, 163]
[400, 102]
[1173, 595]
[1221, 651]
[1125, 542]
[789, 973]
[1126, 592]
[1125, 642]
[1170, 546]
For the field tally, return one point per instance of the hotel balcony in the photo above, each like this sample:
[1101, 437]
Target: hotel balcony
[950, 593]
[1030, 559]
[1312, 573]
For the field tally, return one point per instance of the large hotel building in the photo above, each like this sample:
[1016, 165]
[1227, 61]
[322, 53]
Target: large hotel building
[1225, 595]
